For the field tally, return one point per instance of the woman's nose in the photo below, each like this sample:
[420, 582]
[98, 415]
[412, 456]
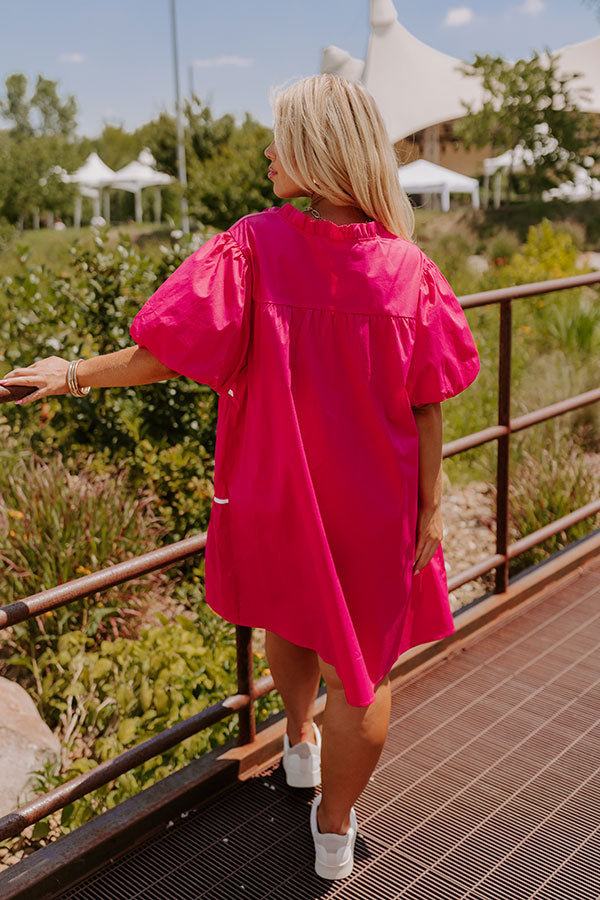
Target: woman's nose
[269, 151]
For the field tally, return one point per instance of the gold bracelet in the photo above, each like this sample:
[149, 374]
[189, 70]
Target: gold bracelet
[74, 386]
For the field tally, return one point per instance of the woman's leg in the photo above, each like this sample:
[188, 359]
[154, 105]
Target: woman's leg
[297, 676]
[353, 738]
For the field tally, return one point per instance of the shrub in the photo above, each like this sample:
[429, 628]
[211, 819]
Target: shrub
[547, 484]
[86, 311]
[56, 526]
[103, 699]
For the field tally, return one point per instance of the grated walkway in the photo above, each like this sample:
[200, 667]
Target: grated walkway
[488, 787]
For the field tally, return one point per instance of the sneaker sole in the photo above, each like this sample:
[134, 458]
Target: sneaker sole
[333, 873]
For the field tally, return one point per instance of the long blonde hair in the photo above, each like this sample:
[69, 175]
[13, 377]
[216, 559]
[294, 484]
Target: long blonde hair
[332, 141]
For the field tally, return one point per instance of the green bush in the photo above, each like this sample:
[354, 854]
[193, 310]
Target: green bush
[56, 526]
[86, 311]
[546, 484]
[103, 699]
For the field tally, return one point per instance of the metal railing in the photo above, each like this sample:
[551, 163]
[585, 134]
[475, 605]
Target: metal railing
[250, 690]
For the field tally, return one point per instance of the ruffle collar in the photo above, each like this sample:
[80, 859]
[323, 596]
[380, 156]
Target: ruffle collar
[351, 232]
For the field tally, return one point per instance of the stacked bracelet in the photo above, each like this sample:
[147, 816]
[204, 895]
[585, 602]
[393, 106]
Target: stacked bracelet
[74, 385]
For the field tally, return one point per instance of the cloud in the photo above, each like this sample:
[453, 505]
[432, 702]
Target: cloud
[532, 7]
[71, 57]
[458, 15]
[240, 62]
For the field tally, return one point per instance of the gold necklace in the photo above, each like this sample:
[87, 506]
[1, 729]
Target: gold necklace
[317, 215]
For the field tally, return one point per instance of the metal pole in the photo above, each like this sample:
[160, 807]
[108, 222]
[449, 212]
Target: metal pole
[185, 222]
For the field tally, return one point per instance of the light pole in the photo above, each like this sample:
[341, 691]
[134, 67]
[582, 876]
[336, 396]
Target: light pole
[185, 222]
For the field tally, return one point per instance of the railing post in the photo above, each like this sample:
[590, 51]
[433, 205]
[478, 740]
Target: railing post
[245, 680]
[503, 452]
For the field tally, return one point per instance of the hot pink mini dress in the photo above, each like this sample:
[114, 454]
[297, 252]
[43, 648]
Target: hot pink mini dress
[318, 338]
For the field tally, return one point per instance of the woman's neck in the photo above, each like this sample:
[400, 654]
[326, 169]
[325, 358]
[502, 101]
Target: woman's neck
[339, 215]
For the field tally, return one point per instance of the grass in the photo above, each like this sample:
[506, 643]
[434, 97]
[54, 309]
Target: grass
[51, 248]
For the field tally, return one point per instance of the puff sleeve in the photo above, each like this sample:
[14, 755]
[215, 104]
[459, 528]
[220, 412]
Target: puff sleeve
[444, 360]
[198, 321]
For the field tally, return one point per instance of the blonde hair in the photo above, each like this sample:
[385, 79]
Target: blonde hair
[332, 141]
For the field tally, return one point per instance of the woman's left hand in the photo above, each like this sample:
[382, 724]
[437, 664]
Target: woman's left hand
[430, 531]
[48, 375]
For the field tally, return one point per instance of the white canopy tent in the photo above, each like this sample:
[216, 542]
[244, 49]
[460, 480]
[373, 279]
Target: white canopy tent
[140, 174]
[584, 58]
[339, 62]
[91, 177]
[423, 177]
[95, 179]
[416, 86]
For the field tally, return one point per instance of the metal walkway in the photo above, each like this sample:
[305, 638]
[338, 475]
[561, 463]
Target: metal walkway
[488, 787]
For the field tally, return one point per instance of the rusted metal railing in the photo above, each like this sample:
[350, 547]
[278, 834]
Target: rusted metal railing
[249, 690]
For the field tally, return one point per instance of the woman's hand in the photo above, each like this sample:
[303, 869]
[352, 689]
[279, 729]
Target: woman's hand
[430, 531]
[48, 375]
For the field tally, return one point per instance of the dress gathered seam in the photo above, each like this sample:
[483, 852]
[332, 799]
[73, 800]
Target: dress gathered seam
[345, 312]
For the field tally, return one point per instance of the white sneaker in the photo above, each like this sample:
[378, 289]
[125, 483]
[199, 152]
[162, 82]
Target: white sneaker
[334, 853]
[302, 762]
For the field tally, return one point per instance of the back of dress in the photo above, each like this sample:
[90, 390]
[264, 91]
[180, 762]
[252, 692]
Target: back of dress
[319, 339]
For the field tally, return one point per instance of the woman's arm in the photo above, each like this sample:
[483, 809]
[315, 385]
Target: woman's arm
[124, 368]
[430, 529]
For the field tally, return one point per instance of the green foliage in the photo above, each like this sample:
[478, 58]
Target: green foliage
[231, 182]
[105, 699]
[502, 246]
[529, 104]
[44, 113]
[30, 178]
[40, 137]
[85, 311]
[549, 252]
[546, 484]
[55, 526]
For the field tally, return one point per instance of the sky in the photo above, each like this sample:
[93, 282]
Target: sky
[116, 55]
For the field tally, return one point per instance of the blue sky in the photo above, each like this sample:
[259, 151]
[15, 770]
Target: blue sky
[115, 55]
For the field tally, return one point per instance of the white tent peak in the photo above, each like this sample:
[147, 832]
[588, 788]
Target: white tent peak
[383, 13]
[417, 86]
[145, 157]
[336, 61]
[140, 175]
[92, 174]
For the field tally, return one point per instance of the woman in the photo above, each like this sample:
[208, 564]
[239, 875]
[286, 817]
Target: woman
[332, 341]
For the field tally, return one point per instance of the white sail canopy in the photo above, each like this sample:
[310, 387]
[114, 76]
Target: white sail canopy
[585, 59]
[417, 86]
[414, 85]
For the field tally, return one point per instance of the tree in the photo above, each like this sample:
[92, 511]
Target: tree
[225, 162]
[529, 104]
[232, 181]
[16, 107]
[38, 142]
[54, 116]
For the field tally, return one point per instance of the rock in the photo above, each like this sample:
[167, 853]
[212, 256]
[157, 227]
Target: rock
[26, 744]
[478, 264]
[589, 259]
